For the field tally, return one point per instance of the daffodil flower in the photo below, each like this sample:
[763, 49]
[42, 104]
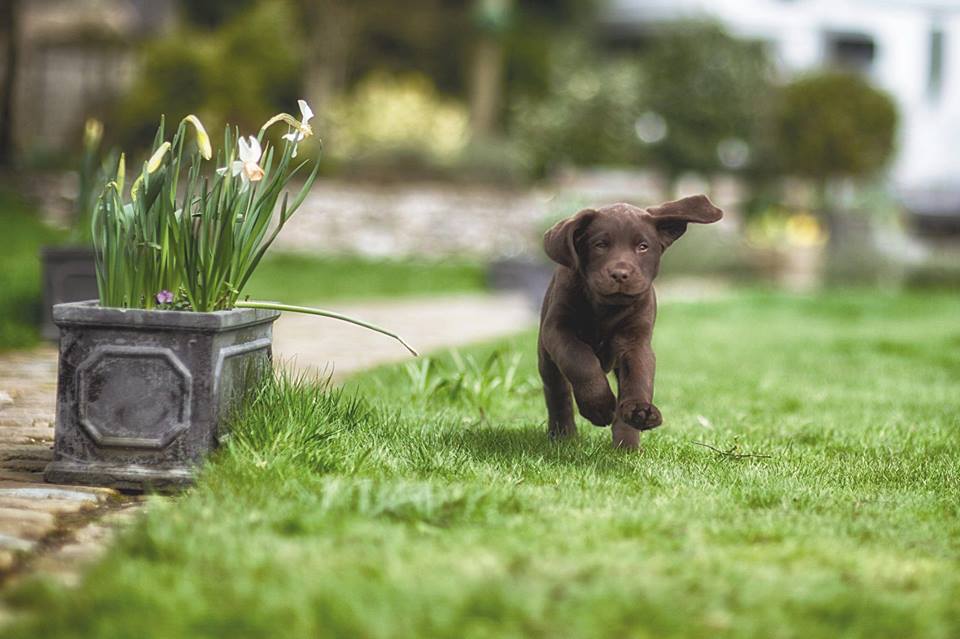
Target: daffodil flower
[248, 166]
[92, 132]
[203, 140]
[153, 164]
[303, 130]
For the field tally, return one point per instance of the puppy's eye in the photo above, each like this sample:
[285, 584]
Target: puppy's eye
[601, 244]
[642, 247]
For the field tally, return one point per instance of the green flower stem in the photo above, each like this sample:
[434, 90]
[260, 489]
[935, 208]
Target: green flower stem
[275, 306]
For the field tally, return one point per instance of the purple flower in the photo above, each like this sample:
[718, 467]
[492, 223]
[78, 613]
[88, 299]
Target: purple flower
[164, 297]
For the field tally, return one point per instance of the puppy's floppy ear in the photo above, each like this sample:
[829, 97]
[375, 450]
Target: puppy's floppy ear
[672, 218]
[560, 242]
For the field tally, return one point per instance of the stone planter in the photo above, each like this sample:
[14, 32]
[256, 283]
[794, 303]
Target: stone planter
[141, 395]
[69, 275]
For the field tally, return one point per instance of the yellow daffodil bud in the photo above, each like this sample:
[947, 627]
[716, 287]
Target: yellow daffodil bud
[135, 188]
[92, 132]
[203, 140]
[154, 162]
[121, 171]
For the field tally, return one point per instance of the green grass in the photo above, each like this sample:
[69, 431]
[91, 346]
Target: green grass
[304, 279]
[20, 297]
[401, 508]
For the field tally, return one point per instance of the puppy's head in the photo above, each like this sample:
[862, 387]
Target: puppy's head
[617, 248]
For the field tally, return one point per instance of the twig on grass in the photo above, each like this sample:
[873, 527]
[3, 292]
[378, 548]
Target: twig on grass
[731, 453]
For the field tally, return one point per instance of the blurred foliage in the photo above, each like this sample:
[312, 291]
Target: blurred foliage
[711, 89]
[212, 13]
[587, 116]
[834, 124]
[398, 112]
[399, 120]
[941, 270]
[780, 227]
[693, 99]
[243, 73]
[20, 295]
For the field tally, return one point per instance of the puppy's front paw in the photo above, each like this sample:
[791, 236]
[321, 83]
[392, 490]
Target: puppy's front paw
[597, 405]
[640, 415]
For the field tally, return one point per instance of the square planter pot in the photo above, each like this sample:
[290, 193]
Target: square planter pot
[141, 395]
[69, 275]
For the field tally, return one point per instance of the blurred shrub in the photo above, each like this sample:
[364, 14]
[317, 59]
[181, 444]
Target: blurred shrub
[241, 73]
[940, 270]
[212, 13]
[397, 121]
[709, 92]
[710, 252]
[496, 160]
[834, 124]
[779, 227]
[586, 117]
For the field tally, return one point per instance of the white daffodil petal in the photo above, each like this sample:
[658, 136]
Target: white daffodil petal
[255, 151]
[236, 167]
[290, 136]
[244, 149]
[305, 111]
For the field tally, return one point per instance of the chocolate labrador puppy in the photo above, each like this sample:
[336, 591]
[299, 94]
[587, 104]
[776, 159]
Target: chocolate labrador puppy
[599, 310]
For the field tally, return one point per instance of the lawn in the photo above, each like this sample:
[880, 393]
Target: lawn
[20, 298]
[428, 502]
[304, 279]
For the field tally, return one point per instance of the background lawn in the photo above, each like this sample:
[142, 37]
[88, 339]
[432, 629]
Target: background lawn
[20, 300]
[428, 502]
[304, 279]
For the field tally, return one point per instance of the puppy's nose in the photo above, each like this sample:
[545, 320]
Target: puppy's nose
[619, 275]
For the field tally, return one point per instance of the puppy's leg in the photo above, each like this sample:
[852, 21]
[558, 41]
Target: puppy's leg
[580, 366]
[635, 410]
[556, 391]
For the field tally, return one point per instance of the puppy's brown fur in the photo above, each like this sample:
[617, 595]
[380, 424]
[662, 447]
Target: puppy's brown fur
[599, 310]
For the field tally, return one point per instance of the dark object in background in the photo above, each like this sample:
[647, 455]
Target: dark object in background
[599, 311]
[142, 395]
[69, 274]
[522, 274]
[933, 213]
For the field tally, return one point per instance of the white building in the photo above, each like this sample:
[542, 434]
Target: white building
[910, 48]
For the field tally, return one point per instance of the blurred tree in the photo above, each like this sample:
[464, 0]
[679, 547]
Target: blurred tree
[711, 92]
[243, 72]
[478, 50]
[491, 20]
[213, 13]
[832, 125]
[587, 116]
[9, 32]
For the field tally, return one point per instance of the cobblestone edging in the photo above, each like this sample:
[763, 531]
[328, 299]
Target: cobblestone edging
[43, 526]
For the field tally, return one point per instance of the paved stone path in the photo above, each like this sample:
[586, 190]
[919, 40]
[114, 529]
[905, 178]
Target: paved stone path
[57, 530]
[40, 522]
